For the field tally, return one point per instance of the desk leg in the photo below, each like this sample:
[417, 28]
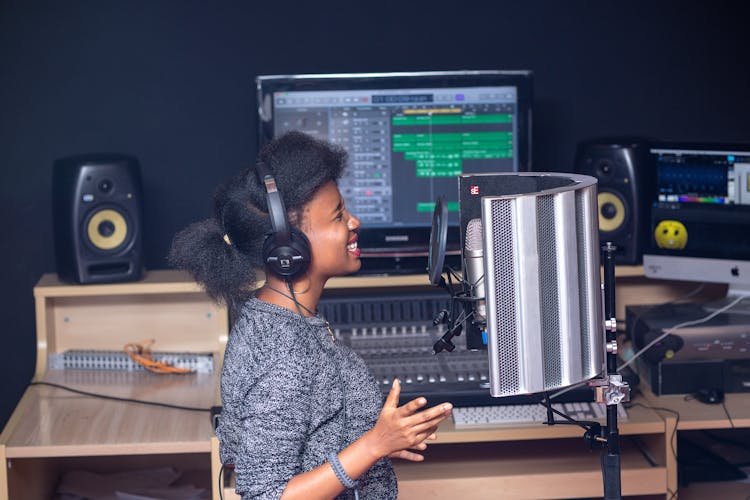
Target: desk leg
[670, 424]
[3, 474]
[215, 468]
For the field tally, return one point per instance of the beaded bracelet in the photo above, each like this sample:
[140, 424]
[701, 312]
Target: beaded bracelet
[341, 474]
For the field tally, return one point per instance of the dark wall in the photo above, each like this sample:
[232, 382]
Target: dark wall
[171, 82]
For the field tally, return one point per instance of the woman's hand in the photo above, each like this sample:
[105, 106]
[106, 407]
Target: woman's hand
[403, 428]
[410, 455]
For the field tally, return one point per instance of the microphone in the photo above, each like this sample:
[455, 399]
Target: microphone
[474, 268]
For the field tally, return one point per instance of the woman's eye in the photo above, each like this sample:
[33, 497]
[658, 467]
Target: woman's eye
[340, 216]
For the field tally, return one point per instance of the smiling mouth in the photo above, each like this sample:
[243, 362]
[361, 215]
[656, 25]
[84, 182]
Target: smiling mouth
[352, 246]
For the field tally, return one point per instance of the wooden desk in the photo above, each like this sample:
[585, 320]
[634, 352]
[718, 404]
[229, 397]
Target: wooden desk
[528, 461]
[535, 461]
[694, 415]
[52, 431]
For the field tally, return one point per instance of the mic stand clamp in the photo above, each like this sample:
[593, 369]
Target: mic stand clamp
[445, 342]
[611, 390]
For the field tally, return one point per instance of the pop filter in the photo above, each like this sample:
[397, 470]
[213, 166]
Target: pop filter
[438, 241]
[542, 281]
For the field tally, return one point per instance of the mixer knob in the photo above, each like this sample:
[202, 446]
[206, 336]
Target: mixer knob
[460, 377]
[442, 378]
[355, 332]
[413, 328]
[403, 329]
[432, 379]
[483, 377]
[472, 377]
[420, 378]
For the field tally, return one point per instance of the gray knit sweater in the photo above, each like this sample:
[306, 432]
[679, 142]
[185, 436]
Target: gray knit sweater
[282, 397]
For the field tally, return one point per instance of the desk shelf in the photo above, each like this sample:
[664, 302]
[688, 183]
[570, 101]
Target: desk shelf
[528, 461]
[538, 469]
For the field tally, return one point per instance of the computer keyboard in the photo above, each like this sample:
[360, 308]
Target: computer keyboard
[469, 416]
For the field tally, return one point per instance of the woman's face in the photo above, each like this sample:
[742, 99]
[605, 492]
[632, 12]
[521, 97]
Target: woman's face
[332, 234]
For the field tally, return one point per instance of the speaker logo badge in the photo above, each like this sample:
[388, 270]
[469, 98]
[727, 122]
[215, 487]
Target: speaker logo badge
[671, 235]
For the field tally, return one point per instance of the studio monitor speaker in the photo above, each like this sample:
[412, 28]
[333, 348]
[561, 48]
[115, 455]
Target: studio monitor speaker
[96, 202]
[625, 185]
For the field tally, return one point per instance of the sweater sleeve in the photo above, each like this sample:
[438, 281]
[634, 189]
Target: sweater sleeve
[272, 430]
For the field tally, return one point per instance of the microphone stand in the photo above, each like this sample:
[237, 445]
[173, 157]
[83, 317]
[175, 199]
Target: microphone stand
[612, 390]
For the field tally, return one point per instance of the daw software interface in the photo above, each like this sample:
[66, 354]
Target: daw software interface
[406, 146]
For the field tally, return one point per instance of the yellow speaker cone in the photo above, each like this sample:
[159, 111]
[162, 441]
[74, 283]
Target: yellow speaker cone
[611, 211]
[107, 229]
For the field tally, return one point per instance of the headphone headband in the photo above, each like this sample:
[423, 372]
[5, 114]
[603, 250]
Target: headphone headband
[276, 209]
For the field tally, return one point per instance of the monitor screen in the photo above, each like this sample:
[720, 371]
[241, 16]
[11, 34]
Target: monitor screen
[700, 217]
[408, 137]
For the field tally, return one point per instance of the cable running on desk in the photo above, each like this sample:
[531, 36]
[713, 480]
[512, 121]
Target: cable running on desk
[124, 400]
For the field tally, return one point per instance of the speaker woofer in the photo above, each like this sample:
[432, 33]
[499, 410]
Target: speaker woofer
[107, 230]
[611, 212]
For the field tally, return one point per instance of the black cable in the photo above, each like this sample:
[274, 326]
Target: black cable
[676, 424]
[724, 405]
[125, 400]
[221, 484]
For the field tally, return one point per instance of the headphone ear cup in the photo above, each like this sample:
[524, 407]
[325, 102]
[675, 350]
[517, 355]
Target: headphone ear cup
[288, 260]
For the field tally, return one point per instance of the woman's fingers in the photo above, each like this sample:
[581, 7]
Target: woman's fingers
[436, 413]
[407, 455]
[412, 406]
[392, 400]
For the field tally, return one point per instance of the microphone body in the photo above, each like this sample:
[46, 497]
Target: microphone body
[474, 268]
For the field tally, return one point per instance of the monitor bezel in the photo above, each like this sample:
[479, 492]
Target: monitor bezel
[407, 241]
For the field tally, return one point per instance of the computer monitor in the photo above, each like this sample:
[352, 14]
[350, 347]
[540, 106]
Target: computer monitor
[700, 218]
[408, 135]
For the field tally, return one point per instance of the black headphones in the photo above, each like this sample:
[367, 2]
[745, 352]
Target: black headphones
[286, 251]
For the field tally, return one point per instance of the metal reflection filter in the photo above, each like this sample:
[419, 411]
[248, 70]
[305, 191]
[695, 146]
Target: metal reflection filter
[543, 285]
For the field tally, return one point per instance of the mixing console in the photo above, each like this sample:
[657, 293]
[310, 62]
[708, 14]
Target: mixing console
[394, 334]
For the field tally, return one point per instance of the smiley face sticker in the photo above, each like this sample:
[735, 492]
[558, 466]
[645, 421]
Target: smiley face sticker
[671, 235]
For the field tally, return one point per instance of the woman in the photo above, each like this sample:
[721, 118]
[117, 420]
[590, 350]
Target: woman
[302, 416]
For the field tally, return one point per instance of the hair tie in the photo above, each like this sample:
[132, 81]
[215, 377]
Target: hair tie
[227, 240]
